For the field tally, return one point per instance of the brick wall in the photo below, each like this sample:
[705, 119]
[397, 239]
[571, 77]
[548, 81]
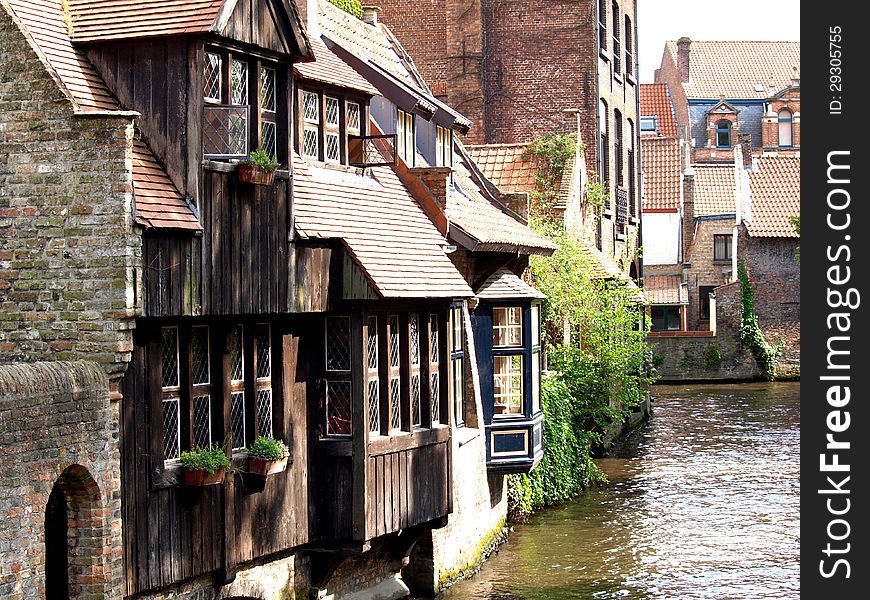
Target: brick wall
[67, 248]
[58, 426]
[669, 73]
[704, 270]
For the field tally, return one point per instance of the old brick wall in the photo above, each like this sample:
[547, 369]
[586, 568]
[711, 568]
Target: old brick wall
[67, 247]
[57, 424]
[669, 73]
[704, 270]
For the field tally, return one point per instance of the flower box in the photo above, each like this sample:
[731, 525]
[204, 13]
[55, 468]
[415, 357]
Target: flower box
[261, 466]
[200, 478]
[253, 174]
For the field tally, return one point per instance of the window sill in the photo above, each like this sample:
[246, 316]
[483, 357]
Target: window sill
[466, 434]
[618, 78]
[722, 261]
[604, 54]
[629, 78]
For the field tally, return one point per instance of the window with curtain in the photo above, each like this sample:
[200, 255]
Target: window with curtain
[785, 122]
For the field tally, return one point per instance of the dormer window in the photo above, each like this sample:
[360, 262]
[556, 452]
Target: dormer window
[723, 134]
[241, 106]
[649, 125]
[444, 147]
[327, 121]
[784, 120]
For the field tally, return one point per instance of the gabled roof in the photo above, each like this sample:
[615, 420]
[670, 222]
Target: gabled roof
[775, 187]
[665, 289]
[383, 228]
[379, 57]
[505, 167]
[738, 69]
[655, 100]
[108, 20]
[723, 108]
[488, 224]
[660, 159]
[158, 203]
[504, 285]
[329, 68]
[714, 189]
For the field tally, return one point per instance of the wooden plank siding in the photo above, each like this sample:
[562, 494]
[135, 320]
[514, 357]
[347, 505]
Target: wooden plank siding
[172, 533]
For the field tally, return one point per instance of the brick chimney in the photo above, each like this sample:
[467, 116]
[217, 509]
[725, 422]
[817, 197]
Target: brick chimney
[437, 179]
[370, 14]
[683, 46]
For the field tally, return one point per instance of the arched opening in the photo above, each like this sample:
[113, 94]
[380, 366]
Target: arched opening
[56, 546]
[785, 128]
[723, 134]
[74, 558]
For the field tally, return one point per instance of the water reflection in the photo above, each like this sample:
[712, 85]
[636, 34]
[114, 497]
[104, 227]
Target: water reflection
[702, 503]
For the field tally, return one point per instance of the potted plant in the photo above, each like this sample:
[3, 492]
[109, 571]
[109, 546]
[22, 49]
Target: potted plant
[267, 456]
[258, 169]
[204, 466]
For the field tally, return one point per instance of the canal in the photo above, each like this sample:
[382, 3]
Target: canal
[702, 503]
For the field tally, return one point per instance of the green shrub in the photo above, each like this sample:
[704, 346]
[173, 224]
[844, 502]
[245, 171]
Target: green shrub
[687, 361]
[765, 354]
[260, 158]
[211, 459]
[712, 357]
[657, 359]
[268, 449]
[353, 7]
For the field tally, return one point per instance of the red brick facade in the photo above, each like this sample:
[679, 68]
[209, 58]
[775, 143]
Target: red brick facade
[790, 101]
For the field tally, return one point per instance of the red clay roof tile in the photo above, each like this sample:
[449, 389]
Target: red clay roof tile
[739, 69]
[660, 158]
[102, 20]
[503, 284]
[776, 195]
[665, 289]
[714, 189]
[504, 166]
[159, 204]
[329, 68]
[655, 100]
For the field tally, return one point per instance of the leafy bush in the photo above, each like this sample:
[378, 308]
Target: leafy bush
[260, 158]
[353, 7]
[766, 355]
[268, 449]
[712, 357]
[211, 459]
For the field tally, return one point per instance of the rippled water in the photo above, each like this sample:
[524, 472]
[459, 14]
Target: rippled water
[702, 503]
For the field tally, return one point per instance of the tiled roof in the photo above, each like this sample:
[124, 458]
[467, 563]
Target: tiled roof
[158, 202]
[494, 229]
[101, 20]
[734, 69]
[363, 40]
[714, 189]
[329, 68]
[43, 21]
[505, 167]
[656, 101]
[384, 229]
[660, 158]
[505, 285]
[665, 289]
[776, 195]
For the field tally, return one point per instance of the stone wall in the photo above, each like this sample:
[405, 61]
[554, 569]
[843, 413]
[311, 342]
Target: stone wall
[67, 248]
[58, 426]
[704, 270]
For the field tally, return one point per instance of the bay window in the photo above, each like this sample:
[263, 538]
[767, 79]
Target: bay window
[327, 121]
[457, 365]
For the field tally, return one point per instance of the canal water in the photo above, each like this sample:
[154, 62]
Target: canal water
[702, 503]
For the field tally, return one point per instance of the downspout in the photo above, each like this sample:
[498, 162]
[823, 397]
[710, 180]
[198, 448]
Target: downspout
[738, 172]
[636, 142]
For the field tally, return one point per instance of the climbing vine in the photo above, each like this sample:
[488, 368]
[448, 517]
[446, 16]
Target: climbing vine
[751, 336]
[595, 379]
[550, 153]
[796, 223]
[353, 7]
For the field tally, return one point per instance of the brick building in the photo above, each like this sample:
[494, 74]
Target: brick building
[521, 69]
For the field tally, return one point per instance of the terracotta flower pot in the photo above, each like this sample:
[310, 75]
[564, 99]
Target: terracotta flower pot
[254, 174]
[199, 478]
[261, 466]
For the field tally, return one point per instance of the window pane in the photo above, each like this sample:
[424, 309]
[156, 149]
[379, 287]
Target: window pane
[400, 134]
[435, 399]
[353, 118]
[201, 421]
[171, 429]
[374, 405]
[264, 351]
[310, 147]
[507, 326]
[785, 128]
[508, 380]
[338, 415]
[373, 343]
[394, 341]
[310, 108]
[169, 356]
[237, 418]
[416, 415]
[267, 138]
[414, 326]
[331, 111]
[237, 355]
[458, 390]
[433, 338]
[456, 322]
[338, 343]
[267, 89]
[264, 413]
[200, 359]
[395, 404]
[239, 83]
[212, 77]
[536, 383]
[332, 147]
[374, 383]
[536, 325]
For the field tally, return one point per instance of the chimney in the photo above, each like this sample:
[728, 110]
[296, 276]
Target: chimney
[683, 45]
[370, 14]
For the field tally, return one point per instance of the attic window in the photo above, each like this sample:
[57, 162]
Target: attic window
[649, 125]
[327, 121]
[311, 116]
[723, 134]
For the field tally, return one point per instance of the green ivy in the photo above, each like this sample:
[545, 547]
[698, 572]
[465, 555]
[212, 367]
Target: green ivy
[551, 153]
[796, 223]
[751, 336]
[712, 357]
[353, 7]
[595, 380]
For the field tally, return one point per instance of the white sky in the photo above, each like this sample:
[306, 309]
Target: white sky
[662, 20]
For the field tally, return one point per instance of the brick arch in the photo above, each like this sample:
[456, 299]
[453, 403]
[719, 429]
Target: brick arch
[88, 573]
